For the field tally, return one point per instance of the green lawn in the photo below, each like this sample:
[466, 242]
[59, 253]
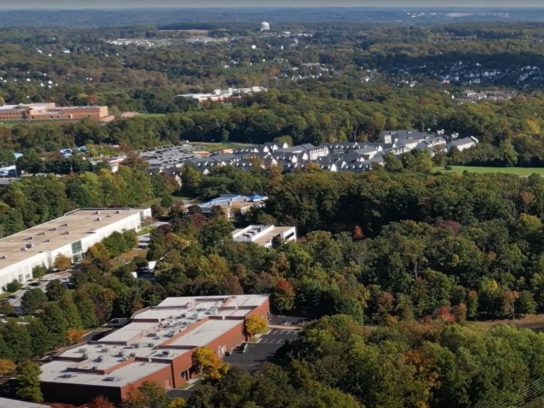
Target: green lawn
[519, 171]
[150, 115]
[210, 147]
[158, 201]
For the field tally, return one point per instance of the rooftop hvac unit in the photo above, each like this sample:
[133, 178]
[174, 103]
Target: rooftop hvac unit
[99, 219]
[136, 345]
[117, 212]
[67, 375]
[64, 225]
[121, 353]
[111, 379]
[132, 354]
[85, 356]
[100, 359]
[166, 353]
[82, 350]
[41, 233]
[97, 212]
[150, 344]
[52, 229]
[3, 257]
[104, 350]
[99, 346]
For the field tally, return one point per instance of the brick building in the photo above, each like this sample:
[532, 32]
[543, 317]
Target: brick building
[157, 345]
[49, 111]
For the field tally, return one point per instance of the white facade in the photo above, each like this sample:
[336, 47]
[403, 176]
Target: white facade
[71, 235]
[264, 235]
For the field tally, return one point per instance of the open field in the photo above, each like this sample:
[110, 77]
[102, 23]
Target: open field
[519, 171]
[218, 146]
[193, 33]
[158, 200]
[534, 322]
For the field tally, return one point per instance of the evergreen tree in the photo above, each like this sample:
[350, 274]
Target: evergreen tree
[86, 309]
[70, 312]
[55, 290]
[53, 318]
[41, 340]
[28, 382]
[33, 299]
[18, 338]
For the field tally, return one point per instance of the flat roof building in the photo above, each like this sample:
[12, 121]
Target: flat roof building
[233, 203]
[49, 111]
[264, 235]
[9, 403]
[70, 235]
[157, 345]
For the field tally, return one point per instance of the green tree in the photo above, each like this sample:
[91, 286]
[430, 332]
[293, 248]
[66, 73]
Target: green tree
[33, 300]
[18, 338]
[41, 340]
[55, 290]
[27, 382]
[86, 309]
[53, 318]
[70, 312]
[14, 286]
[167, 201]
[5, 307]
[39, 271]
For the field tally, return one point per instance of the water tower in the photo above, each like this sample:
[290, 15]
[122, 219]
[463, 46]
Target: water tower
[265, 26]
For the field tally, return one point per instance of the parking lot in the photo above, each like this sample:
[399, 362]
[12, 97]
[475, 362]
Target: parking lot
[15, 298]
[278, 336]
[262, 350]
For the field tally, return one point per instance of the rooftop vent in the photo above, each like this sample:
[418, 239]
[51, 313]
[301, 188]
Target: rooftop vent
[52, 229]
[97, 212]
[111, 379]
[41, 233]
[132, 354]
[104, 350]
[82, 350]
[67, 375]
[99, 219]
[150, 344]
[100, 359]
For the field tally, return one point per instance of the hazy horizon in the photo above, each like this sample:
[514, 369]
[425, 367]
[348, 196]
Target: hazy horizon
[134, 4]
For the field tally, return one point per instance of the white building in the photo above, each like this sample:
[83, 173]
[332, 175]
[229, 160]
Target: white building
[70, 235]
[264, 235]
[265, 26]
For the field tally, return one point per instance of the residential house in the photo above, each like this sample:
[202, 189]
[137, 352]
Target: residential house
[463, 144]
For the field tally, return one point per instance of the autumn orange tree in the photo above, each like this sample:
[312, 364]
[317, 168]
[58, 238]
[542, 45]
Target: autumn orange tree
[208, 363]
[62, 262]
[255, 325]
[100, 402]
[7, 367]
[74, 336]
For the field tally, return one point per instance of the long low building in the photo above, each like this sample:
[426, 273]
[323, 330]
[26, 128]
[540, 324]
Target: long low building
[157, 345]
[49, 111]
[264, 235]
[70, 235]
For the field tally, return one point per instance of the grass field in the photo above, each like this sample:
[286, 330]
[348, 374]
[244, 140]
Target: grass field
[151, 115]
[519, 171]
[210, 147]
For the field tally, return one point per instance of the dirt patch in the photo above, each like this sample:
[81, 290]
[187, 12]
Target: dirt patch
[129, 114]
[534, 322]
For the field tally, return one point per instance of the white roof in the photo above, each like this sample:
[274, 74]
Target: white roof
[9, 403]
[154, 338]
[56, 370]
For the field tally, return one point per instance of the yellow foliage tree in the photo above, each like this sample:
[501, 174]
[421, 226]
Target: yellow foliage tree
[7, 367]
[177, 403]
[255, 325]
[98, 251]
[208, 363]
[62, 262]
[74, 336]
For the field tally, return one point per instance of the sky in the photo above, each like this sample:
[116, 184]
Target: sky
[118, 4]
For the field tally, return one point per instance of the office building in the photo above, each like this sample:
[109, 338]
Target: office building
[70, 235]
[157, 345]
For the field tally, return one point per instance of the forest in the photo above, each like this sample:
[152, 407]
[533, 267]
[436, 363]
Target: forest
[398, 269]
